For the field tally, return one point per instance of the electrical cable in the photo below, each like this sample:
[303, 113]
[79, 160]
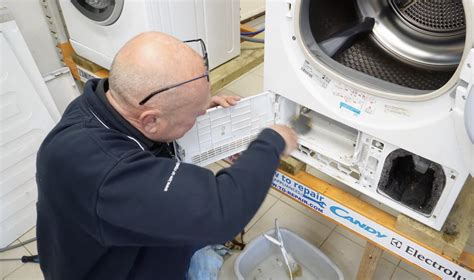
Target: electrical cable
[8, 248]
[252, 39]
[253, 32]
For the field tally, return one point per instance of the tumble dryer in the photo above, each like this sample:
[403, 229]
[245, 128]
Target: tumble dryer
[98, 28]
[387, 85]
[381, 91]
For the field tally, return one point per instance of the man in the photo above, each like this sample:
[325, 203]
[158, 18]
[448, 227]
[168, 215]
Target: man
[113, 203]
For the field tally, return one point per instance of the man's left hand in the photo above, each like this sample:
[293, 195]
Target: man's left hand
[224, 101]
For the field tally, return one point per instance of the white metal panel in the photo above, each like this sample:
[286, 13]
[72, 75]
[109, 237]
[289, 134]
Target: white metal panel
[30, 18]
[62, 87]
[222, 132]
[24, 122]
[14, 37]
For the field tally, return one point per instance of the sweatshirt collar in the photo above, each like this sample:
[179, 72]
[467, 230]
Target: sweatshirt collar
[95, 94]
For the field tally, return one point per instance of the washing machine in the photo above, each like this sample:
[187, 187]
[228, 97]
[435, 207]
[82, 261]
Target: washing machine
[385, 88]
[98, 28]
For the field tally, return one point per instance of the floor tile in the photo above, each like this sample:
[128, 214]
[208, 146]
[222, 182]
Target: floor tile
[31, 247]
[391, 258]
[266, 205]
[289, 218]
[401, 274]
[351, 235]
[345, 253]
[7, 267]
[384, 270]
[258, 70]
[28, 271]
[363, 242]
[247, 85]
[420, 274]
[275, 193]
[308, 212]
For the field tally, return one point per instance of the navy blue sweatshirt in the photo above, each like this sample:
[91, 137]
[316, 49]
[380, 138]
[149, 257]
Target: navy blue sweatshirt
[102, 209]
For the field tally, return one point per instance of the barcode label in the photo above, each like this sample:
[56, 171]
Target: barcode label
[85, 75]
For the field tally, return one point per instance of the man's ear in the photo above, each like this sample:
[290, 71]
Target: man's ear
[151, 121]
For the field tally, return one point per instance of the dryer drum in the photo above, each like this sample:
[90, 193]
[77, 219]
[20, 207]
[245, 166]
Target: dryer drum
[416, 44]
[434, 16]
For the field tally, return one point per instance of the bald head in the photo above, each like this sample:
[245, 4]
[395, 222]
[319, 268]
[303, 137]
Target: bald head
[151, 61]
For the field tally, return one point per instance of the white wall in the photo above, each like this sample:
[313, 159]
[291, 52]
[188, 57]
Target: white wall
[29, 17]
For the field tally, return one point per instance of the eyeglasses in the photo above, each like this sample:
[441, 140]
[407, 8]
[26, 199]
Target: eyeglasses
[206, 74]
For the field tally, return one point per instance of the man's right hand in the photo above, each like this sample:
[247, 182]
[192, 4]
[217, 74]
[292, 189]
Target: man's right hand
[288, 135]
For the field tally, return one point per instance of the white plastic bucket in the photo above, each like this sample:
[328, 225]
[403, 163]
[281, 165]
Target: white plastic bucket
[315, 264]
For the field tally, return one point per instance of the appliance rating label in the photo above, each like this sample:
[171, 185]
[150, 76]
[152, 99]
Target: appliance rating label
[384, 237]
[321, 79]
[353, 101]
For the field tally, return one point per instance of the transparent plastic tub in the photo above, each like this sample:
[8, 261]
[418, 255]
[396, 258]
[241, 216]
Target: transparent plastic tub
[261, 260]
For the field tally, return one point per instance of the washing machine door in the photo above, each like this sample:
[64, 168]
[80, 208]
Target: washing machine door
[103, 12]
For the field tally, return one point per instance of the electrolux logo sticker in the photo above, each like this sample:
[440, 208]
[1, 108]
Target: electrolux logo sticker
[396, 243]
[413, 253]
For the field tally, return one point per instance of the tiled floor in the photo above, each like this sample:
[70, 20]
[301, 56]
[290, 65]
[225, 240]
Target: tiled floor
[343, 247]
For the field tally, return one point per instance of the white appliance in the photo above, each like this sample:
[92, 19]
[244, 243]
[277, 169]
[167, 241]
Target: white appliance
[27, 113]
[387, 87]
[99, 28]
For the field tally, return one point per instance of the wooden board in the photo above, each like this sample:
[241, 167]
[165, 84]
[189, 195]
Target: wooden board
[67, 53]
[291, 165]
[369, 261]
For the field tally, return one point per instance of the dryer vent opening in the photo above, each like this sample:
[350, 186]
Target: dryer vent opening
[415, 44]
[412, 180]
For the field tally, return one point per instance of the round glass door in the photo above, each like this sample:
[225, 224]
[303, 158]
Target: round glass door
[103, 12]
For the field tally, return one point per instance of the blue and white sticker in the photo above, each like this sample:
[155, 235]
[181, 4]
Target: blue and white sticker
[349, 107]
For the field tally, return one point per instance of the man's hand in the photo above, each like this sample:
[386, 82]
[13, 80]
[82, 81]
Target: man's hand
[288, 135]
[223, 100]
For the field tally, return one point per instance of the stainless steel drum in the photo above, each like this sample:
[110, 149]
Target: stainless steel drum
[416, 44]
